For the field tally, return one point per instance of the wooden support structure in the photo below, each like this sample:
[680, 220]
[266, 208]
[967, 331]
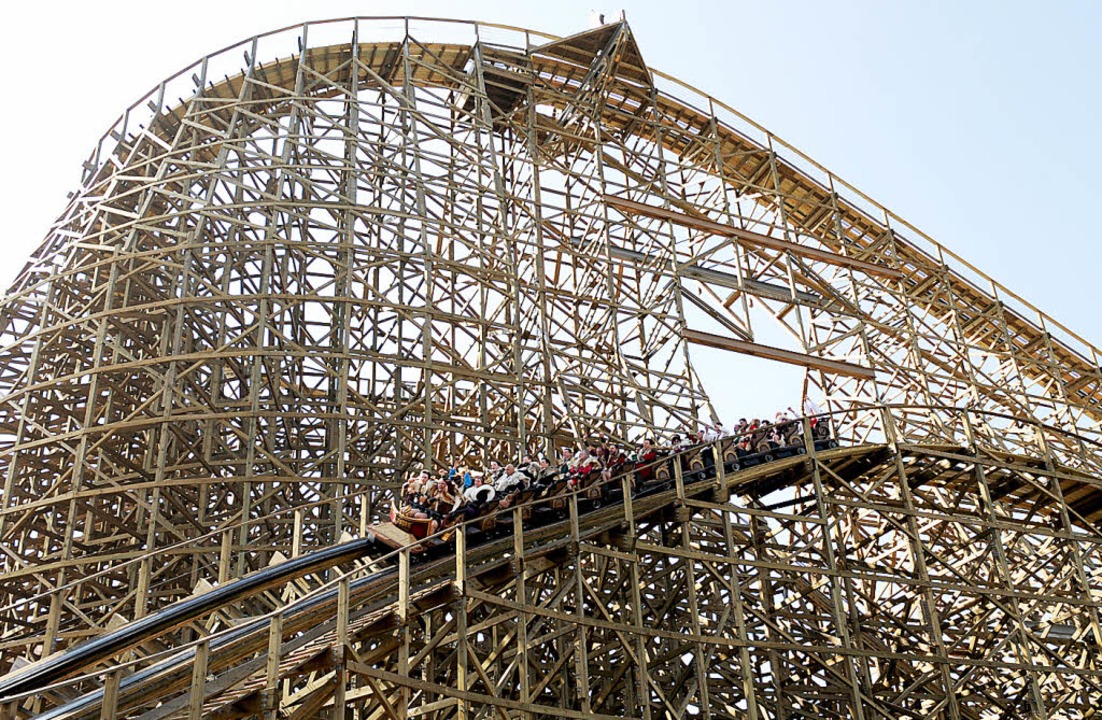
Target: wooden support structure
[281, 289]
[637, 208]
[835, 367]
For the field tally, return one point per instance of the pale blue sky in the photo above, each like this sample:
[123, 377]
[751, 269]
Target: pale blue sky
[977, 121]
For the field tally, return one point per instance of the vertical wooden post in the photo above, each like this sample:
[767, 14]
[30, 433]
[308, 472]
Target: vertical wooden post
[224, 556]
[678, 477]
[340, 651]
[53, 617]
[685, 518]
[404, 633]
[722, 492]
[581, 649]
[522, 600]
[296, 536]
[143, 586]
[828, 528]
[110, 705]
[271, 699]
[931, 616]
[198, 680]
[1022, 650]
[461, 653]
[629, 507]
[734, 589]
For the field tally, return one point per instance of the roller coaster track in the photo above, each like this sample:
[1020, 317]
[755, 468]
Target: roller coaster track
[184, 611]
[363, 595]
[432, 583]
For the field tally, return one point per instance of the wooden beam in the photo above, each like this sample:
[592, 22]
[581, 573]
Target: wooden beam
[836, 367]
[709, 226]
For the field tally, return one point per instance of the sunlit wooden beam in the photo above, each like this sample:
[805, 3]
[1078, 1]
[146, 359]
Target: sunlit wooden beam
[836, 367]
[709, 226]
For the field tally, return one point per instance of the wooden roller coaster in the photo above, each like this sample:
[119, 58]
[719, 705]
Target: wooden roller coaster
[315, 260]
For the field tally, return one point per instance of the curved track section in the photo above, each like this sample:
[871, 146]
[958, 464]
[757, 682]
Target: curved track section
[87, 655]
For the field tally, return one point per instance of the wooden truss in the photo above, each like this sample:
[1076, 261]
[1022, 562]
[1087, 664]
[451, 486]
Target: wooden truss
[282, 285]
[867, 581]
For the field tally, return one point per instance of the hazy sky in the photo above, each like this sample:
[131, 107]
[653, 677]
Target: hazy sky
[978, 122]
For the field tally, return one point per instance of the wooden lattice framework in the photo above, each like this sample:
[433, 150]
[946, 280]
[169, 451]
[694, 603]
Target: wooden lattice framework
[284, 284]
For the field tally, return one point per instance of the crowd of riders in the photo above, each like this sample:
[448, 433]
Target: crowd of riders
[460, 492]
